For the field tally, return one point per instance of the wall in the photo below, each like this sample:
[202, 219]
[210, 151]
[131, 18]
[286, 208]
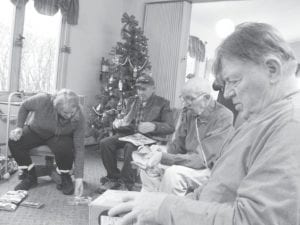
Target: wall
[97, 32]
[137, 8]
[296, 47]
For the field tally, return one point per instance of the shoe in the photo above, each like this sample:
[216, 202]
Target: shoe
[67, 185]
[55, 176]
[22, 174]
[131, 187]
[108, 183]
[135, 187]
[29, 180]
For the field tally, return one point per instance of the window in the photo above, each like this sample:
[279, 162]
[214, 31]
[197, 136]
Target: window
[7, 13]
[40, 50]
[29, 48]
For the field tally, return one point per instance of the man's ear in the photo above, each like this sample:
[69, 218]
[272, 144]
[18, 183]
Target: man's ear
[274, 69]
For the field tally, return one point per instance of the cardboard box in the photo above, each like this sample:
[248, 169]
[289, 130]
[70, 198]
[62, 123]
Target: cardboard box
[104, 202]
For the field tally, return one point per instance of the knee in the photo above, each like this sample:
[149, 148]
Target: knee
[12, 145]
[173, 181]
[128, 149]
[171, 172]
[104, 143]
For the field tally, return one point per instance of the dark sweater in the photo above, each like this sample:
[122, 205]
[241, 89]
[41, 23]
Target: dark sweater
[45, 123]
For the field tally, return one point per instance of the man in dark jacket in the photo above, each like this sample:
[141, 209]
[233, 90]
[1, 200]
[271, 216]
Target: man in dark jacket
[146, 113]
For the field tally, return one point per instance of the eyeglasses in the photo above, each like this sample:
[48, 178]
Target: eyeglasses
[191, 99]
[141, 88]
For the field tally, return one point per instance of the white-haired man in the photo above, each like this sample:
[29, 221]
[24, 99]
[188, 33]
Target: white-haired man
[256, 180]
[204, 125]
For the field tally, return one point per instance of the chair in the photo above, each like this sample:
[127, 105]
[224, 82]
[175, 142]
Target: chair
[48, 167]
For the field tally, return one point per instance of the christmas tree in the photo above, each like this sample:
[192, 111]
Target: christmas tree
[129, 59]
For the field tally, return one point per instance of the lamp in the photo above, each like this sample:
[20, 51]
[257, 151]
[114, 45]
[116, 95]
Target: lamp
[224, 27]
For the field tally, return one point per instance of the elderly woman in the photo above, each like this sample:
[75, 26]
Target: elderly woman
[58, 122]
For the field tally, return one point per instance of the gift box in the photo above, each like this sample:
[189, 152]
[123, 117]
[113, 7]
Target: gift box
[11, 199]
[12, 166]
[99, 207]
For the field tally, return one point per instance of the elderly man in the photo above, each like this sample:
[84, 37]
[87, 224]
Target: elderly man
[256, 180]
[203, 129]
[148, 114]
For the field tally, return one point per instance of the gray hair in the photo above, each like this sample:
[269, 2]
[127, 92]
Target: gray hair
[196, 85]
[66, 98]
[253, 42]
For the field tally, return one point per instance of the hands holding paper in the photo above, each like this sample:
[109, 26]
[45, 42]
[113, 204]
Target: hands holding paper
[147, 157]
[154, 159]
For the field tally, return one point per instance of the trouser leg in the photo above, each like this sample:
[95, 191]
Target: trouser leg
[178, 179]
[128, 174]
[108, 149]
[63, 150]
[20, 149]
[149, 183]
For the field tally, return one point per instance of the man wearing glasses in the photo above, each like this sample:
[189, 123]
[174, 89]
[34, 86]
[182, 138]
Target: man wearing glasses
[204, 125]
[146, 113]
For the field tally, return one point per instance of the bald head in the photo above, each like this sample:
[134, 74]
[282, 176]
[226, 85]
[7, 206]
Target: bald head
[196, 86]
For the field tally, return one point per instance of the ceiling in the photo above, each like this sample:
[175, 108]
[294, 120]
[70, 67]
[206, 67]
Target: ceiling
[283, 14]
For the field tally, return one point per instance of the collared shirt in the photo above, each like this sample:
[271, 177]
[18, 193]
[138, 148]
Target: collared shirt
[212, 126]
[256, 180]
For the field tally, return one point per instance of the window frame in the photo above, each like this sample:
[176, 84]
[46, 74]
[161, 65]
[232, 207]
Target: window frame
[16, 51]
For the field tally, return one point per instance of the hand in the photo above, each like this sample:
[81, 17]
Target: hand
[141, 208]
[78, 187]
[16, 134]
[119, 123]
[154, 159]
[146, 127]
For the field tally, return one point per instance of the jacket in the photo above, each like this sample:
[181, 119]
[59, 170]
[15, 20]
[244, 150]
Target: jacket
[256, 180]
[157, 110]
[213, 126]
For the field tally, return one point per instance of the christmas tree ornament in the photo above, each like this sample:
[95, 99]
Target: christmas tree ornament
[120, 85]
[6, 176]
[135, 70]
[128, 59]
[98, 108]
[111, 79]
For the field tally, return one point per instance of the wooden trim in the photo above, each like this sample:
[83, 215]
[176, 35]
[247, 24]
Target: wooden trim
[16, 52]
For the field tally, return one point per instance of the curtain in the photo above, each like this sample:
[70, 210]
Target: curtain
[196, 48]
[68, 8]
[46, 7]
[19, 2]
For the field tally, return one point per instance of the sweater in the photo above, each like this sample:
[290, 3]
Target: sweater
[39, 113]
